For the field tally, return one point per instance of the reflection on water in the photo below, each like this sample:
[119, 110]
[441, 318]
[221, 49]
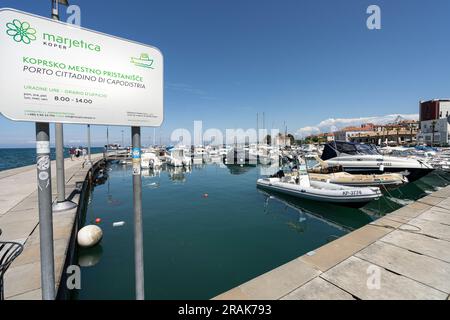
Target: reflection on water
[90, 257]
[198, 246]
[343, 218]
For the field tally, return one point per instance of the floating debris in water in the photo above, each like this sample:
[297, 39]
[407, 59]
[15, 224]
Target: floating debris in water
[153, 185]
[118, 224]
[114, 202]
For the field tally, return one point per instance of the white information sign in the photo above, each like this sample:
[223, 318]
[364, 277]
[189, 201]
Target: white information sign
[55, 72]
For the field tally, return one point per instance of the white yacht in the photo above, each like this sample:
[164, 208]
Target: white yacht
[365, 159]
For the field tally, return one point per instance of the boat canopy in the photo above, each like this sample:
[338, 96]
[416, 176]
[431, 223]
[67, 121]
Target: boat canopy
[338, 148]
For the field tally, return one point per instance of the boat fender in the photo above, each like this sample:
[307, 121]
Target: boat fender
[89, 236]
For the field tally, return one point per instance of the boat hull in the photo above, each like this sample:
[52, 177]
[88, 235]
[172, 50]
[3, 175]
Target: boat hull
[346, 196]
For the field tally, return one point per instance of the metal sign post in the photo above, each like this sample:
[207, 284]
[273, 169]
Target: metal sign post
[61, 204]
[89, 161]
[45, 210]
[137, 204]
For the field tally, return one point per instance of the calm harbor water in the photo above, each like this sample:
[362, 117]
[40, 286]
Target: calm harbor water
[196, 246]
[16, 158]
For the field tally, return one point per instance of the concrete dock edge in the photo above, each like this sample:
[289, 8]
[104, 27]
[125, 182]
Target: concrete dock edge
[402, 256]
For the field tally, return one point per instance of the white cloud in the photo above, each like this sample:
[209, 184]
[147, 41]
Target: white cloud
[331, 125]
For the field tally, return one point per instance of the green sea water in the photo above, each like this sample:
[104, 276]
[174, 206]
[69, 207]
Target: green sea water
[209, 230]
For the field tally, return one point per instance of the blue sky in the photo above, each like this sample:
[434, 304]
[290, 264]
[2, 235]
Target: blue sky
[298, 61]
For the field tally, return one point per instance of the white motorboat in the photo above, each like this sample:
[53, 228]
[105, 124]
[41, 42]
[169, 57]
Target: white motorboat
[241, 155]
[178, 158]
[150, 160]
[365, 159]
[267, 154]
[299, 185]
[200, 155]
[390, 180]
[322, 172]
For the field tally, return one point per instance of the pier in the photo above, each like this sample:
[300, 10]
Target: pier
[404, 255]
[19, 220]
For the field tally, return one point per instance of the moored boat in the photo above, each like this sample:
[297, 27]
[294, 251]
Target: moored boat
[299, 185]
[366, 159]
[361, 180]
[324, 173]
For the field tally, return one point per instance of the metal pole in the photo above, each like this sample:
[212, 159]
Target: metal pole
[89, 162]
[60, 175]
[257, 131]
[61, 204]
[44, 176]
[137, 200]
[55, 10]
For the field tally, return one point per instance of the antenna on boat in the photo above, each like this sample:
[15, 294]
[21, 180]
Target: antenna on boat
[257, 130]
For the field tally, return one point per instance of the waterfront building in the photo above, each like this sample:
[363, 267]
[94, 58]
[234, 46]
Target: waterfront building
[399, 133]
[345, 134]
[434, 122]
[435, 132]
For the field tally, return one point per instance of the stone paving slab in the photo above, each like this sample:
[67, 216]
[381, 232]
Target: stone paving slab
[435, 248]
[436, 216]
[429, 271]
[318, 289]
[278, 283]
[352, 275]
[431, 200]
[429, 228]
[337, 251]
[28, 296]
[445, 203]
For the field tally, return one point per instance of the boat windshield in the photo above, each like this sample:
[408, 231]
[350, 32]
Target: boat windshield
[338, 148]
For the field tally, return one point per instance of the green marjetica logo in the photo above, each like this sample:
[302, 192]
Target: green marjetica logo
[21, 31]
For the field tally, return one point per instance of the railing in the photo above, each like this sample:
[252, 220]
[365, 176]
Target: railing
[9, 251]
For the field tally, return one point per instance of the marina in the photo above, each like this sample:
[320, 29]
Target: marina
[130, 168]
[210, 226]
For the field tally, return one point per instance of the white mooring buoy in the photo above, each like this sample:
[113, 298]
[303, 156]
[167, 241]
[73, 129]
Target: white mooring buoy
[89, 236]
